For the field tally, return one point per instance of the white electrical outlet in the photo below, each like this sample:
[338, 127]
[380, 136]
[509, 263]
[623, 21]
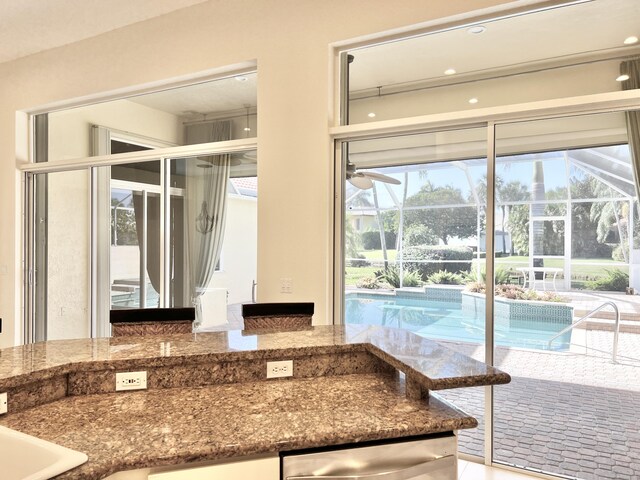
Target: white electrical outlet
[3, 403]
[280, 369]
[285, 285]
[131, 381]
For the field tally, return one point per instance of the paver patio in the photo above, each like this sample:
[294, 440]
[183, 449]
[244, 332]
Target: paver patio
[568, 413]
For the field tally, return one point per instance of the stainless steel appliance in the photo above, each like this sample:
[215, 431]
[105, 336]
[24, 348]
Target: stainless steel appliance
[426, 458]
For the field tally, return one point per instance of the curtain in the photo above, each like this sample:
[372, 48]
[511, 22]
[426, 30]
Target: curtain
[205, 208]
[153, 236]
[632, 68]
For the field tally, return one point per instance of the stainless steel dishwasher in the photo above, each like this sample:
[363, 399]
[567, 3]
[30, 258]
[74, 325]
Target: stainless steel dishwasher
[427, 458]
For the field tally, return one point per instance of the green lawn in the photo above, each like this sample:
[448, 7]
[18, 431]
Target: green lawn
[580, 270]
[377, 254]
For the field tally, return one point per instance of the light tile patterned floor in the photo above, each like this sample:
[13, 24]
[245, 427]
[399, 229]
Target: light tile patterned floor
[475, 471]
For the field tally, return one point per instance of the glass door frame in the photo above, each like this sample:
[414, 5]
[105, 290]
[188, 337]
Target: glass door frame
[488, 118]
[95, 165]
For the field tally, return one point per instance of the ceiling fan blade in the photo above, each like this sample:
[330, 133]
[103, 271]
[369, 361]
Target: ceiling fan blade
[380, 177]
[360, 181]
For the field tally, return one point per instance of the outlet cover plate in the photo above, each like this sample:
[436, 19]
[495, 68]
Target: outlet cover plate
[3, 403]
[131, 381]
[280, 369]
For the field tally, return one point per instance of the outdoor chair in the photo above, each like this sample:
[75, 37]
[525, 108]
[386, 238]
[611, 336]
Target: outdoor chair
[280, 316]
[151, 321]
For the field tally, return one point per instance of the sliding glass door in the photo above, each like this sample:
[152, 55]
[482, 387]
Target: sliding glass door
[566, 193]
[415, 212]
[135, 245]
[556, 211]
[144, 234]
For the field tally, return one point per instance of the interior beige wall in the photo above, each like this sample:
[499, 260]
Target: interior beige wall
[239, 249]
[291, 41]
[70, 130]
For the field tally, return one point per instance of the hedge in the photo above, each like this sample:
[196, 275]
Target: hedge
[371, 240]
[436, 255]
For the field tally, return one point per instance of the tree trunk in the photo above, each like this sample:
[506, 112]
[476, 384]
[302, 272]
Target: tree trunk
[383, 242]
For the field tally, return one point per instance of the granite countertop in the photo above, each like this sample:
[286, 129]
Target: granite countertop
[131, 430]
[436, 366]
[208, 396]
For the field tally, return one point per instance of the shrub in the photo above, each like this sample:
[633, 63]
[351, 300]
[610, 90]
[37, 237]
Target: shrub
[618, 253]
[442, 277]
[437, 257]
[368, 282]
[359, 261]
[615, 281]
[391, 275]
[514, 292]
[371, 240]
[418, 234]
[501, 275]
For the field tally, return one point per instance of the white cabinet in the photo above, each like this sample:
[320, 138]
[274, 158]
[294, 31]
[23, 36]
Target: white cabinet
[264, 468]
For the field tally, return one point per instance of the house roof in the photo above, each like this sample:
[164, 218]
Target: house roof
[247, 186]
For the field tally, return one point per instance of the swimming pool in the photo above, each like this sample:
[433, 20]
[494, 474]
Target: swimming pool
[447, 321]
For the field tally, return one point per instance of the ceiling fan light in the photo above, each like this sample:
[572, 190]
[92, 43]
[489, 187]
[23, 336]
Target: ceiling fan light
[360, 182]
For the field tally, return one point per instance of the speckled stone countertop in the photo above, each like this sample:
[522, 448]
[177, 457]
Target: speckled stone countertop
[436, 366]
[208, 397]
[167, 427]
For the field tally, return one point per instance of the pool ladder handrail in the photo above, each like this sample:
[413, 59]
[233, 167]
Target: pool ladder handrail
[616, 332]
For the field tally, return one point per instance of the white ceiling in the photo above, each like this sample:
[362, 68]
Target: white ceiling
[31, 26]
[195, 101]
[589, 30]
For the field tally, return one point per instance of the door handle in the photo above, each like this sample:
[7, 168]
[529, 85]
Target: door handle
[440, 463]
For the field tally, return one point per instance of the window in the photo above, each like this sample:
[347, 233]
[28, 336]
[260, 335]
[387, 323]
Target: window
[149, 231]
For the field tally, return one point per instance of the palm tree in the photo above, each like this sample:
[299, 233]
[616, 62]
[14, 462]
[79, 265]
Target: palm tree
[607, 215]
[513, 191]
[505, 192]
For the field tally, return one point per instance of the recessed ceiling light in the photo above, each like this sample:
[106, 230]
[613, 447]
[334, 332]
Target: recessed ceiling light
[477, 29]
[450, 71]
[622, 78]
[473, 100]
[630, 40]
[242, 79]
[371, 115]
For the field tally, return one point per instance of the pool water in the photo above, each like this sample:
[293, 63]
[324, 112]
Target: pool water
[447, 321]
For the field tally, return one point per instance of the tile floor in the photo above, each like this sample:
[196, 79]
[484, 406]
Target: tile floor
[475, 471]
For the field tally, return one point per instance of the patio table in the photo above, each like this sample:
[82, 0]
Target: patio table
[529, 274]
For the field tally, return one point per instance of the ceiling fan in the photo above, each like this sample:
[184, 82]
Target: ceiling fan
[364, 179]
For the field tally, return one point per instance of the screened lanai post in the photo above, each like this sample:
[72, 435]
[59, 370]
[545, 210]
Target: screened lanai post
[632, 68]
[536, 239]
[205, 208]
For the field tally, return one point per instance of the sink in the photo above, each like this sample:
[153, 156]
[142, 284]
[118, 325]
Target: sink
[23, 457]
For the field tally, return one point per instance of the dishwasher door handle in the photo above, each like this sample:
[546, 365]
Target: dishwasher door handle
[446, 462]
